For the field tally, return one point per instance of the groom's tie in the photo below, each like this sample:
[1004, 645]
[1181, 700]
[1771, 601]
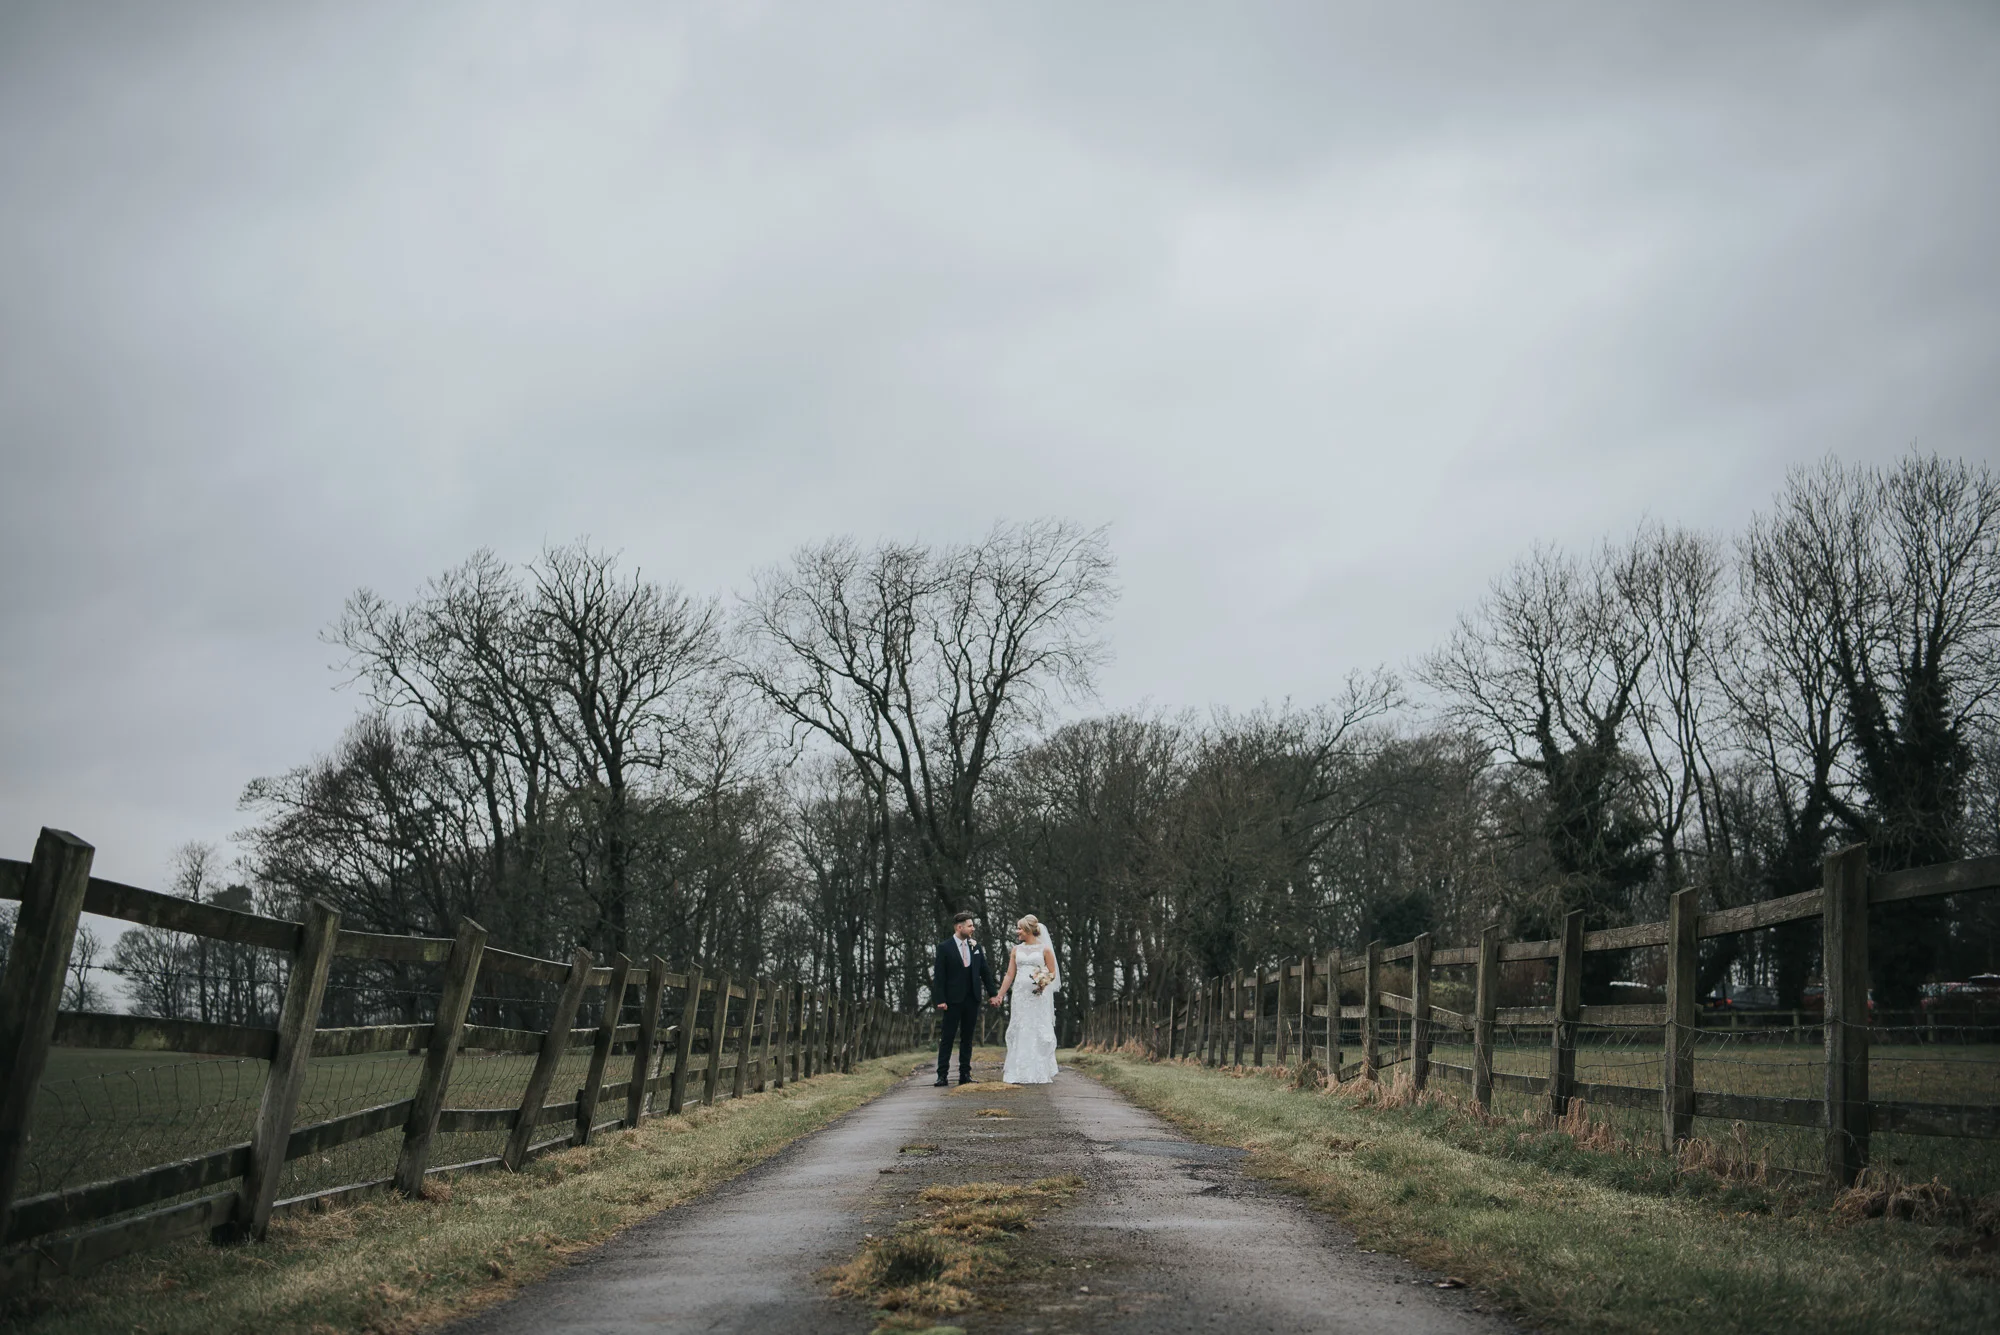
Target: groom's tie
[964, 953]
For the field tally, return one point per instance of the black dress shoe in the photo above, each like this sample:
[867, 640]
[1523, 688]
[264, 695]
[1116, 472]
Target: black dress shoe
[941, 1083]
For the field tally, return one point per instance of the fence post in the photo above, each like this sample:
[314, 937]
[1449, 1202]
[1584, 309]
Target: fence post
[286, 1079]
[1230, 997]
[1677, 1064]
[718, 1032]
[808, 1033]
[1205, 996]
[1420, 1012]
[649, 1034]
[822, 1032]
[769, 992]
[600, 1048]
[747, 1042]
[783, 1021]
[823, 1023]
[1232, 1037]
[1215, 1044]
[1844, 978]
[461, 973]
[1486, 1009]
[1308, 970]
[554, 1043]
[1280, 1040]
[1257, 980]
[1333, 1053]
[1371, 1028]
[31, 993]
[801, 1038]
[1568, 1006]
[684, 1041]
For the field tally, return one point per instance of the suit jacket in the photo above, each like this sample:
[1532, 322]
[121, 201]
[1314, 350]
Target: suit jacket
[952, 981]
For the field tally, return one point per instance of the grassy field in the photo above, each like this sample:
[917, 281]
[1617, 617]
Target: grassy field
[1916, 1073]
[1580, 1238]
[389, 1264]
[102, 1114]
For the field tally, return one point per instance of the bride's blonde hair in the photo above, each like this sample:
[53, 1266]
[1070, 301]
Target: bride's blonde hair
[1031, 925]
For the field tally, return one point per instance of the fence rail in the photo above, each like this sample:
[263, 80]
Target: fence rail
[649, 1053]
[1302, 995]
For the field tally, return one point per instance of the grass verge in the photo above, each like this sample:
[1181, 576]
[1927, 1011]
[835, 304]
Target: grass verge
[934, 1264]
[392, 1265]
[1570, 1231]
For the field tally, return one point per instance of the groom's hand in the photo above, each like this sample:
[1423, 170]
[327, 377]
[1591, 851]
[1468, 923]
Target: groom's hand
[944, 1005]
[994, 1002]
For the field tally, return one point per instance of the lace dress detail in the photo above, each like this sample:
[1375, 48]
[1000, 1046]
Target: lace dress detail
[1031, 1025]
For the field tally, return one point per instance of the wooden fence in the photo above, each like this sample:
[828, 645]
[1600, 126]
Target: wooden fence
[1210, 1022]
[648, 1056]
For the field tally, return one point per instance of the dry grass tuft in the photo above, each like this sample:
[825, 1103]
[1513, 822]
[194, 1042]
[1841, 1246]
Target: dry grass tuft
[922, 1269]
[932, 1264]
[1881, 1195]
[1731, 1159]
[994, 1193]
[993, 1112]
[980, 1222]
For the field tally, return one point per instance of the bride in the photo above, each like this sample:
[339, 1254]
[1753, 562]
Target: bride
[1031, 1029]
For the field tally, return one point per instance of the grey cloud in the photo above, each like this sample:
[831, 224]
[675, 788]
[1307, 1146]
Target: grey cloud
[1328, 309]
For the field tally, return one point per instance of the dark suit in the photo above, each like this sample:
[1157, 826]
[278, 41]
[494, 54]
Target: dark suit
[962, 990]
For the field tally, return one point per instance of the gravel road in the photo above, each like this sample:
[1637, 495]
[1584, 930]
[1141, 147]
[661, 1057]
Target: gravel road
[1167, 1235]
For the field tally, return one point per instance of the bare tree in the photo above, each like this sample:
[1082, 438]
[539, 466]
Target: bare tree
[1548, 669]
[460, 656]
[920, 665]
[80, 990]
[1900, 569]
[620, 660]
[1677, 588]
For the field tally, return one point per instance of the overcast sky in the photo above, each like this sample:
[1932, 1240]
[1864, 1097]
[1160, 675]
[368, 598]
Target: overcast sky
[1327, 310]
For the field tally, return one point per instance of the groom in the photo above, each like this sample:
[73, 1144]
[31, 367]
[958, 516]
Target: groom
[959, 984]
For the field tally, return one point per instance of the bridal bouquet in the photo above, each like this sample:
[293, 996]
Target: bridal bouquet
[1041, 978]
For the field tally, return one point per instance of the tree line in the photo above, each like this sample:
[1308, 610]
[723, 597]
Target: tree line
[809, 780]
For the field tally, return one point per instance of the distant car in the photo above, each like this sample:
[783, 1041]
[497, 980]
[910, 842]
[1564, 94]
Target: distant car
[1743, 999]
[1813, 1000]
[1976, 995]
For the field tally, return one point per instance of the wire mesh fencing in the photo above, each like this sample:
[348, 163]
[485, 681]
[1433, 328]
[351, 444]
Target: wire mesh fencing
[106, 1123]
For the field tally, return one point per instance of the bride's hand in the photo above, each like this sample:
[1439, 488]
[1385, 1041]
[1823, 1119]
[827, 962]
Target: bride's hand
[994, 1002]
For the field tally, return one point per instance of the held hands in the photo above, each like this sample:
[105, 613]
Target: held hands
[995, 1002]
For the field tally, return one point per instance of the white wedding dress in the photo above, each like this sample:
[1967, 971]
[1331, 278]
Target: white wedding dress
[1031, 1026]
